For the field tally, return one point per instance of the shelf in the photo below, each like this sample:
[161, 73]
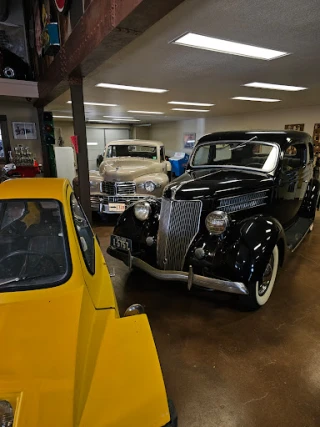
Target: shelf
[19, 88]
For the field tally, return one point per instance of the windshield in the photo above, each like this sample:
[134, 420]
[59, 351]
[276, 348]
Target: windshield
[147, 151]
[33, 245]
[257, 155]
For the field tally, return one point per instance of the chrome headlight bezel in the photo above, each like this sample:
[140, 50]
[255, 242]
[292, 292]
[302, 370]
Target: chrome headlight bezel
[150, 186]
[217, 222]
[142, 210]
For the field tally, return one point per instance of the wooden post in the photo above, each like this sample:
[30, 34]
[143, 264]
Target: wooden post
[79, 126]
[45, 154]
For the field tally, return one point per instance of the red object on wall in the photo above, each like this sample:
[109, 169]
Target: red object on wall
[74, 140]
[62, 5]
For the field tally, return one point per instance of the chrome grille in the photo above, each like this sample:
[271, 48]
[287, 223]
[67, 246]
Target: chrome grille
[115, 188]
[178, 226]
[245, 201]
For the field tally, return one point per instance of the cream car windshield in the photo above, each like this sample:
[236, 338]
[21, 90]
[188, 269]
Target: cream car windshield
[256, 155]
[145, 151]
[33, 244]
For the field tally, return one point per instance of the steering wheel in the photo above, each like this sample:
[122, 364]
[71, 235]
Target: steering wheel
[27, 253]
[254, 164]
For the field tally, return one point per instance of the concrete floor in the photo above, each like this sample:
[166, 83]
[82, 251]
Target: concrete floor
[227, 368]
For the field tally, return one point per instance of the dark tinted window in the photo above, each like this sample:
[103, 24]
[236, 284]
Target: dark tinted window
[147, 151]
[162, 156]
[311, 155]
[85, 234]
[294, 157]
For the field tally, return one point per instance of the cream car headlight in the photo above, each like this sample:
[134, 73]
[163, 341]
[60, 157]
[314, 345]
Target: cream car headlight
[150, 186]
[94, 186]
[217, 222]
[6, 414]
[142, 210]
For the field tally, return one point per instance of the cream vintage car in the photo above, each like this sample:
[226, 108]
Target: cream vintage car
[131, 170]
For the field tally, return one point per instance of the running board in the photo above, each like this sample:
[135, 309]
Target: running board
[298, 232]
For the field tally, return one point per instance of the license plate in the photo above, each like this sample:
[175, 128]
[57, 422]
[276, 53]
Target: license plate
[113, 208]
[121, 243]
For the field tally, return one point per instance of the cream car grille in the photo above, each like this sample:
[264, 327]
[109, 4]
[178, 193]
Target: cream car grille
[178, 225]
[245, 201]
[118, 188]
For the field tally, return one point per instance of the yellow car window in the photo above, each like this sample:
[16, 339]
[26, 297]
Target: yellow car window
[33, 245]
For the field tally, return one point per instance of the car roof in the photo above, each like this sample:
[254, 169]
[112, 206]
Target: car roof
[282, 137]
[34, 188]
[136, 142]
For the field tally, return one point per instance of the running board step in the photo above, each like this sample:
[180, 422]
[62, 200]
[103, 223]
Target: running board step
[297, 232]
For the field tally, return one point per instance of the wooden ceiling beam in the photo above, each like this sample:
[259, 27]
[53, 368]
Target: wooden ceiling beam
[104, 29]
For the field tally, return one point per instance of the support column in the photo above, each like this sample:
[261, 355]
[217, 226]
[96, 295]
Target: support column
[79, 126]
[44, 146]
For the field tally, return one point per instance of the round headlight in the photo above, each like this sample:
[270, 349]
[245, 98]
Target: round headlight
[217, 222]
[142, 210]
[6, 414]
[150, 186]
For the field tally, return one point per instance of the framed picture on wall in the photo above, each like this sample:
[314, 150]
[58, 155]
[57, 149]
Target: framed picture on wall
[299, 126]
[189, 140]
[23, 130]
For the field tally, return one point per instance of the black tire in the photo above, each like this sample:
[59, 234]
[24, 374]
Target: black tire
[260, 291]
[173, 414]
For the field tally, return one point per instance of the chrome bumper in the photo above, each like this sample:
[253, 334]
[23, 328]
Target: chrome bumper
[98, 200]
[181, 276]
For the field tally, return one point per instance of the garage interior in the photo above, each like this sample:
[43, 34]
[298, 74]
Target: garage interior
[222, 366]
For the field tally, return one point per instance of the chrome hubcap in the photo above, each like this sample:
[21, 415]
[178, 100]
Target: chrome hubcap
[266, 279]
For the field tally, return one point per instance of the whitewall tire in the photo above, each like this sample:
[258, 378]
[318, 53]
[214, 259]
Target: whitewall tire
[260, 291]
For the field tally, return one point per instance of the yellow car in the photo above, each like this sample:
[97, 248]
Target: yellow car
[67, 359]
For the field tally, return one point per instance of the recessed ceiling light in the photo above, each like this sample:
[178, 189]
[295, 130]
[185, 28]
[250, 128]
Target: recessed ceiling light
[225, 46]
[247, 98]
[127, 120]
[275, 86]
[118, 117]
[134, 88]
[190, 109]
[101, 104]
[144, 112]
[62, 117]
[92, 143]
[195, 104]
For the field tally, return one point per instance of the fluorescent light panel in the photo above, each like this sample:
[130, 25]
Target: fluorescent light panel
[133, 88]
[247, 98]
[224, 46]
[144, 112]
[275, 86]
[92, 143]
[118, 117]
[190, 109]
[195, 104]
[100, 104]
[100, 121]
[62, 117]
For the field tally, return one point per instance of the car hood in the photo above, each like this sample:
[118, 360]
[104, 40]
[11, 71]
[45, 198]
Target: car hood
[127, 168]
[203, 184]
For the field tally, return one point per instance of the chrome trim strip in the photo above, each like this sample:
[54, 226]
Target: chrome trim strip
[190, 278]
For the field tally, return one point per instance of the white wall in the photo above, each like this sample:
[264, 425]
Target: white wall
[171, 133]
[23, 111]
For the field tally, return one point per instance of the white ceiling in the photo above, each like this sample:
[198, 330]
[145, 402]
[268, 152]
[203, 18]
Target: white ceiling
[202, 76]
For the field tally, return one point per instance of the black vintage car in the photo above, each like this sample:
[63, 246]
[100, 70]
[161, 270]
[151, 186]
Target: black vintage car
[246, 199]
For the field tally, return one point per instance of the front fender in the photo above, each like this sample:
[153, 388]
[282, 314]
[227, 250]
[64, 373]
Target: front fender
[242, 253]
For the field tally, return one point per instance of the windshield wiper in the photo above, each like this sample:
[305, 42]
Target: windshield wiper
[243, 143]
[20, 279]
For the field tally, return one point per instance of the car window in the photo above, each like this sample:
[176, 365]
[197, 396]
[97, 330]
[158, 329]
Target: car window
[33, 245]
[85, 234]
[162, 155]
[262, 156]
[311, 154]
[146, 151]
[294, 157]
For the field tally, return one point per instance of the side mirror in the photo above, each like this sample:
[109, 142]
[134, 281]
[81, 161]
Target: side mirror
[133, 310]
